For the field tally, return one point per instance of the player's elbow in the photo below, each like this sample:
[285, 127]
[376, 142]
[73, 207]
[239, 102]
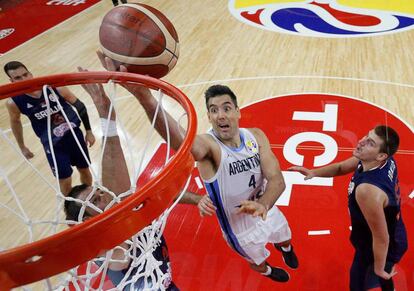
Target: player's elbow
[282, 185]
[279, 183]
[381, 238]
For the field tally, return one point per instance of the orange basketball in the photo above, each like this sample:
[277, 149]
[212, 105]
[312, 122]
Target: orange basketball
[141, 38]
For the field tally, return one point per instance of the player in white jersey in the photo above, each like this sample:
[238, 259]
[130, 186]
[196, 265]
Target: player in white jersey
[249, 216]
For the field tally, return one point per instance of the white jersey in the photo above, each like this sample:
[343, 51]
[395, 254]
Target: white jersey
[239, 177]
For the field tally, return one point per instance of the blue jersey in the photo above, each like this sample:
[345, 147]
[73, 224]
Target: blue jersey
[385, 178]
[36, 110]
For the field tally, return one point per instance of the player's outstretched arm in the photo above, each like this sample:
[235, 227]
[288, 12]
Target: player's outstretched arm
[201, 147]
[115, 174]
[332, 170]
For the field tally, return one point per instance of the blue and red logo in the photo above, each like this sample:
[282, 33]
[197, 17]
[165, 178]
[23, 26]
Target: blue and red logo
[326, 18]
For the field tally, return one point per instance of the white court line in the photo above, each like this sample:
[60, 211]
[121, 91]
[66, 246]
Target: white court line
[293, 77]
[319, 232]
[198, 182]
[411, 195]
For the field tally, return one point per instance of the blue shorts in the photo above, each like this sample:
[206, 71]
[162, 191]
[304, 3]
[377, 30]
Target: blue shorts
[68, 154]
[363, 277]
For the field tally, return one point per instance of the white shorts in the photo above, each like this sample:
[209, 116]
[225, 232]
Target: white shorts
[274, 229]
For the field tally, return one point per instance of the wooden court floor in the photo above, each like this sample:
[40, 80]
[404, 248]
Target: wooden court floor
[216, 48]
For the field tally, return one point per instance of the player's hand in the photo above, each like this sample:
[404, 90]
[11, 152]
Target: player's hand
[304, 171]
[93, 89]
[142, 93]
[99, 97]
[383, 274]
[89, 138]
[106, 62]
[206, 206]
[26, 152]
[253, 208]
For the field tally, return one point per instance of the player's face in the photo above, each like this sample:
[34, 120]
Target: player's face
[224, 117]
[19, 74]
[368, 148]
[99, 198]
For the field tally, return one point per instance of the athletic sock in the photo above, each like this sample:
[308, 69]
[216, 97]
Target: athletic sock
[287, 249]
[268, 271]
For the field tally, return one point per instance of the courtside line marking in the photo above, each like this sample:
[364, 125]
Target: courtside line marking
[411, 195]
[312, 77]
[319, 232]
[293, 77]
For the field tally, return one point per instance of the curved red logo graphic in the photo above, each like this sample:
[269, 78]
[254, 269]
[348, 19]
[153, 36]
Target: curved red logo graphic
[324, 18]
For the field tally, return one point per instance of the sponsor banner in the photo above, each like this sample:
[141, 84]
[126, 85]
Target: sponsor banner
[21, 20]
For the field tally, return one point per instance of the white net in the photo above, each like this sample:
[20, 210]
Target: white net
[31, 202]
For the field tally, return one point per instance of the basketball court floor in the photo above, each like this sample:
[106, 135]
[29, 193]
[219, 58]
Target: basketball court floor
[314, 88]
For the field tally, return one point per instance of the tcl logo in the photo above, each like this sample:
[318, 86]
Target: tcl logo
[314, 130]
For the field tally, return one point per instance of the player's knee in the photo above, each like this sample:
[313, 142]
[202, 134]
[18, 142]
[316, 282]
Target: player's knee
[65, 185]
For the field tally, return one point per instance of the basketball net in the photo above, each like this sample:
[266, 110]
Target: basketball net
[144, 270]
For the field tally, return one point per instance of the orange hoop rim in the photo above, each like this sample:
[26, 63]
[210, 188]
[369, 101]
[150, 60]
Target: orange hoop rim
[47, 257]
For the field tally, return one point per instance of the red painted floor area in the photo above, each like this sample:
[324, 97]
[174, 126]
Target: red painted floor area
[18, 16]
[201, 260]
[200, 257]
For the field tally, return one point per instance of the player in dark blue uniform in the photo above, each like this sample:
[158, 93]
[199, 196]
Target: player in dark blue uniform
[65, 148]
[378, 232]
[115, 177]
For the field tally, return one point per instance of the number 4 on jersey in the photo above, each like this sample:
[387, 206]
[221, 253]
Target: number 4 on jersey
[252, 182]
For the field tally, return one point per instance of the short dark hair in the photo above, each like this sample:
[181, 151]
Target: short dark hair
[73, 208]
[13, 65]
[218, 90]
[390, 139]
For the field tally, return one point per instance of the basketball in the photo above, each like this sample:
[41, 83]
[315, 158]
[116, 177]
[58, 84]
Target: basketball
[141, 38]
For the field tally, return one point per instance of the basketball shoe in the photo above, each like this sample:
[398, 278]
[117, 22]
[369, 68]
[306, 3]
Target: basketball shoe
[278, 274]
[289, 257]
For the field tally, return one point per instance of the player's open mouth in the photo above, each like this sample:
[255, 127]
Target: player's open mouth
[224, 128]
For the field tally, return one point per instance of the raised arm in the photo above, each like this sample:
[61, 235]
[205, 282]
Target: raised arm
[201, 148]
[82, 111]
[17, 128]
[332, 170]
[115, 174]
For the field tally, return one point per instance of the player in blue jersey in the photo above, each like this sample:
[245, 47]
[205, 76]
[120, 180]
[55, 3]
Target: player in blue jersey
[241, 174]
[65, 148]
[115, 177]
[378, 232]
